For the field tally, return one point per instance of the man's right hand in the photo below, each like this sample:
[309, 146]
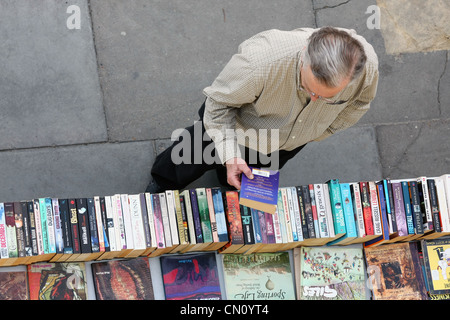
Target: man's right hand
[235, 167]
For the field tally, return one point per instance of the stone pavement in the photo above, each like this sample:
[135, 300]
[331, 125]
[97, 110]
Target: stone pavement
[83, 112]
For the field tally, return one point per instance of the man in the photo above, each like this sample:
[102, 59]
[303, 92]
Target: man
[281, 90]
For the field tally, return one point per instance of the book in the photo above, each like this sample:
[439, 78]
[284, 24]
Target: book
[436, 257]
[416, 209]
[258, 276]
[395, 272]
[57, 281]
[330, 273]
[4, 253]
[219, 210]
[190, 276]
[233, 214]
[13, 285]
[408, 210]
[425, 203]
[358, 210]
[205, 221]
[261, 192]
[336, 207]
[351, 234]
[386, 236]
[127, 279]
[137, 226]
[400, 215]
[366, 208]
[65, 229]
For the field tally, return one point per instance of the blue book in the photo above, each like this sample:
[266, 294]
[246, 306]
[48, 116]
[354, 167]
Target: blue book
[349, 217]
[261, 192]
[219, 211]
[336, 207]
[408, 208]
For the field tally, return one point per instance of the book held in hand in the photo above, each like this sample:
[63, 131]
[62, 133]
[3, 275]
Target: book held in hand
[261, 192]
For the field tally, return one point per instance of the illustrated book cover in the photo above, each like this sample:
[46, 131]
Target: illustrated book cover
[436, 258]
[330, 273]
[127, 279]
[258, 276]
[261, 192]
[190, 277]
[57, 281]
[13, 285]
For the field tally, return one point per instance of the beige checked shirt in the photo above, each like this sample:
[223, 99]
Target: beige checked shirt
[258, 90]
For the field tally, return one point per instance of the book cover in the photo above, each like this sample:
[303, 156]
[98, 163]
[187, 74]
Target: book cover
[13, 285]
[83, 226]
[123, 280]
[436, 257]
[349, 218]
[258, 276]
[57, 281]
[336, 207]
[74, 226]
[190, 277]
[261, 192]
[331, 273]
[395, 272]
[233, 213]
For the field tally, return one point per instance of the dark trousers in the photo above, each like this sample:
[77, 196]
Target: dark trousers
[172, 176]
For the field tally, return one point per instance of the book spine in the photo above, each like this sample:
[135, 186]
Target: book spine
[65, 225]
[92, 219]
[184, 217]
[383, 207]
[389, 209]
[391, 205]
[34, 248]
[212, 215]
[281, 215]
[367, 211]
[234, 218]
[190, 216]
[442, 202]
[297, 214]
[314, 210]
[287, 216]
[127, 223]
[44, 225]
[196, 215]
[321, 210]
[263, 226]
[336, 205]
[37, 218]
[425, 202]
[151, 220]
[18, 221]
[182, 228]
[145, 220]
[137, 227]
[159, 226]
[204, 214]
[104, 223]
[220, 214]
[83, 225]
[408, 209]
[291, 213]
[170, 201]
[301, 207]
[26, 229]
[58, 228]
[113, 245]
[11, 230]
[400, 215]
[165, 219]
[256, 226]
[4, 254]
[415, 205]
[347, 206]
[247, 225]
[308, 212]
[375, 208]
[270, 230]
[119, 223]
[358, 210]
[434, 205]
[99, 221]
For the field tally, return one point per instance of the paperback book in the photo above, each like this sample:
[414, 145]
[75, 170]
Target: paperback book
[190, 277]
[436, 258]
[330, 273]
[258, 276]
[261, 192]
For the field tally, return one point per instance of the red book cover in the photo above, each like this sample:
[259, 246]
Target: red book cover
[367, 211]
[234, 218]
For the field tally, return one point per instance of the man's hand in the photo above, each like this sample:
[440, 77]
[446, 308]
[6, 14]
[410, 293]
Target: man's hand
[235, 167]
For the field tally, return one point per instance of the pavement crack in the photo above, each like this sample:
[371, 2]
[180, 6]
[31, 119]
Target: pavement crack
[316, 10]
[439, 84]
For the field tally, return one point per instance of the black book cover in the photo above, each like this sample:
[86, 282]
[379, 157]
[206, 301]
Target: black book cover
[105, 223]
[65, 225]
[74, 226]
[301, 205]
[92, 218]
[434, 205]
[83, 225]
[34, 245]
[247, 225]
[415, 202]
[26, 229]
[308, 212]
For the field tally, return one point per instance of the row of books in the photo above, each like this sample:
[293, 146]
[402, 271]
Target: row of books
[416, 270]
[209, 219]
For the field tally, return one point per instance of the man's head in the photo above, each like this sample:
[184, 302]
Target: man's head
[332, 60]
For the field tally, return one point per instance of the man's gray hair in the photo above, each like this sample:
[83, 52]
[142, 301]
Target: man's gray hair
[334, 55]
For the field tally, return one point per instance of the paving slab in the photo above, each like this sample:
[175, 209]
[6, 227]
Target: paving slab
[49, 87]
[75, 171]
[414, 149]
[156, 57]
[350, 155]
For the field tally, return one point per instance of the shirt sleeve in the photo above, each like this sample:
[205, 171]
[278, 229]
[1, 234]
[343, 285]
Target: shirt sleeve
[354, 111]
[234, 87]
